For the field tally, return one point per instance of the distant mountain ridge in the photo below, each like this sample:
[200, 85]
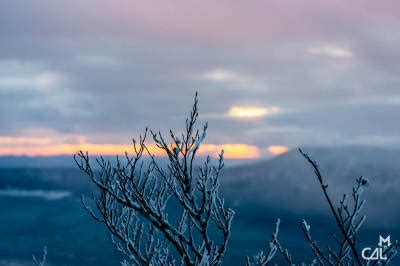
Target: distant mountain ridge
[42, 204]
[36, 161]
[285, 182]
[66, 161]
[288, 182]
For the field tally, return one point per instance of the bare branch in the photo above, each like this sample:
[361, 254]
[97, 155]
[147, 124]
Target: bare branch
[135, 194]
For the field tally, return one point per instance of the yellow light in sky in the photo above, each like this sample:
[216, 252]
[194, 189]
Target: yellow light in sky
[251, 112]
[277, 150]
[33, 146]
[231, 151]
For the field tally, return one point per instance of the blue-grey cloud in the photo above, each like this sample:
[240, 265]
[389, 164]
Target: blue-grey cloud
[106, 70]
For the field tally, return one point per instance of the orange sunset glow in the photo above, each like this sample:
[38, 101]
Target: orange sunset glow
[54, 146]
[231, 151]
[277, 150]
[20, 146]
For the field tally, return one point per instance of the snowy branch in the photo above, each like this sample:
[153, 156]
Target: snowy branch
[136, 195]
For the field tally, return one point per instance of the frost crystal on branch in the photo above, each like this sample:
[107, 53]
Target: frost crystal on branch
[135, 195]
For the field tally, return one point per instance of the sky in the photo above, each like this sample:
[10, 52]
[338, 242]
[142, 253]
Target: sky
[271, 75]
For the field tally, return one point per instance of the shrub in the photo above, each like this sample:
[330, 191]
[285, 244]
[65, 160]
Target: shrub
[135, 195]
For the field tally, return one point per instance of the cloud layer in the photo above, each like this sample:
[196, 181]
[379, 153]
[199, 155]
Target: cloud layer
[103, 71]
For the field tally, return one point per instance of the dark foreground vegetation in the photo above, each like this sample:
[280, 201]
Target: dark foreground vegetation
[134, 198]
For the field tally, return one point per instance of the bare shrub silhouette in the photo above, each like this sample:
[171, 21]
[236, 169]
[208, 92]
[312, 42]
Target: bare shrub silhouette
[347, 216]
[135, 196]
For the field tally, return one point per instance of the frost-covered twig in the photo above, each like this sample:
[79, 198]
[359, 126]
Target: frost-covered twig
[346, 221]
[265, 257]
[349, 220]
[389, 253]
[41, 262]
[135, 196]
[318, 253]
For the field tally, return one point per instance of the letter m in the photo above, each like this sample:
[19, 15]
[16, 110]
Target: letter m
[385, 241]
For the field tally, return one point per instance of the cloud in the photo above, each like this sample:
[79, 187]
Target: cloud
[43, 80]
[9, 140]
[332, 69]
[15, 74]
[331, 51]
[224, 75]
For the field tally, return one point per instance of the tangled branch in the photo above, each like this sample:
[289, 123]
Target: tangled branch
[135, 196]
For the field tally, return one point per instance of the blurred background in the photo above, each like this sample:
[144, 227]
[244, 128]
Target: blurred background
[271, 76]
